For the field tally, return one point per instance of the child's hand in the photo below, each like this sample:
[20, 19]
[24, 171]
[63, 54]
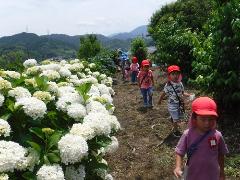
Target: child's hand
[177, 172]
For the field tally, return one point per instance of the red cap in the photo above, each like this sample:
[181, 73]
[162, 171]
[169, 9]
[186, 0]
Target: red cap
[145, 63]
[204, 106]
[173, 68]
[134, 59]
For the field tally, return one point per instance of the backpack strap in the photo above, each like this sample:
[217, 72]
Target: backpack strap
[144, 77]
[194, 145]
[179, 100]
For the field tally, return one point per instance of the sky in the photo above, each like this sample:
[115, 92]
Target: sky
[75, 17]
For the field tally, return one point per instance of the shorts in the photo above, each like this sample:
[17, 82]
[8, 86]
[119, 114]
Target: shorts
[175, 112]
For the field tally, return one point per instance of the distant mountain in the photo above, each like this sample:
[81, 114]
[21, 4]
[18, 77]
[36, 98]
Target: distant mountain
[140, 31]
[55, 45]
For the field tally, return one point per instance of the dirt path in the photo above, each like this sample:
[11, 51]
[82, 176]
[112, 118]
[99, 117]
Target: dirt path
[146, 146]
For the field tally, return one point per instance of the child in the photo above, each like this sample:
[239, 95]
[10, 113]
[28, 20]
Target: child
[146, 83]
[175, 91]
[206, 156]
[127, 71]
[134, 69]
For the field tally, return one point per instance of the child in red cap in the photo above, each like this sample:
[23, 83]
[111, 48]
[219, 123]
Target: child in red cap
[175, 91]
[203, 144]
[134, 69]
[146, 83]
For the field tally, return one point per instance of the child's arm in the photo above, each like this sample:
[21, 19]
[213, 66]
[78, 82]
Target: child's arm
[221, 165]
[161, 98]
[178, 169]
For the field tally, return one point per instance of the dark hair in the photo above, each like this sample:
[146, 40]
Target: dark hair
[194, 115]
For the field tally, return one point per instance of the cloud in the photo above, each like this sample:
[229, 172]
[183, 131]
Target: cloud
[75, 16]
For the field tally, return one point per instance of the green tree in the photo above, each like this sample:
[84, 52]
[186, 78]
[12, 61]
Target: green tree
[169, 26]
[217, 57]
[139, 49]
[89, 46]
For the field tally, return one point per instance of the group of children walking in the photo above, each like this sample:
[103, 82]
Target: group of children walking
[201, 142]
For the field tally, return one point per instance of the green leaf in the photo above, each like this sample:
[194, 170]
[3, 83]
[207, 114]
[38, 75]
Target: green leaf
[35, 146]
[84, 88]
[10, 105]
[53, 139]
[46, 161]
[53, 157]
[29, 176]
[41, 82]
[6, 116]
[38, 132]
[109, 106]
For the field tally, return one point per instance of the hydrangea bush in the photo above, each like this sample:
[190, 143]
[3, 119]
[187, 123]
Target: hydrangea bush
[56, 122]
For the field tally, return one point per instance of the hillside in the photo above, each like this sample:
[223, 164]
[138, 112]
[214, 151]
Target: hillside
[62, 45]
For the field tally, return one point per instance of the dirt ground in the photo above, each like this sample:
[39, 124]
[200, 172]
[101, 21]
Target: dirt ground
[146, 145]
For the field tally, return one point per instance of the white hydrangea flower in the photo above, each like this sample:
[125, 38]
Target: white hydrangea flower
[51, 74]
[43, 96]
[68, 99]
[19, 92]
[4, 177]
[5, 128]
[74, 61]
[12, 156]
[5, 85]
[72, 148]
[52, 87]
[92, 65]
[31, 82]
[76, 111]
[108, 177]
[108, 81]
[33, 70]
[78, 82]
[76, 67]
[1, 99]
[74, 77]
[50, 172]
[94, 91]
[95, 106]
[98, 122]
[63, 62]
[32, 107]
[96, 74]
[81, 75]
[61, 84]
[52, 67]
[108, 98]
[111, 91]
[103, 76]
[87, 70]
[73, 173]
[64, 72]
[47, 61]
[30, 63]
[114, 122]
[82, 130]
[103, 89]
[13, 74]
[65, 89]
